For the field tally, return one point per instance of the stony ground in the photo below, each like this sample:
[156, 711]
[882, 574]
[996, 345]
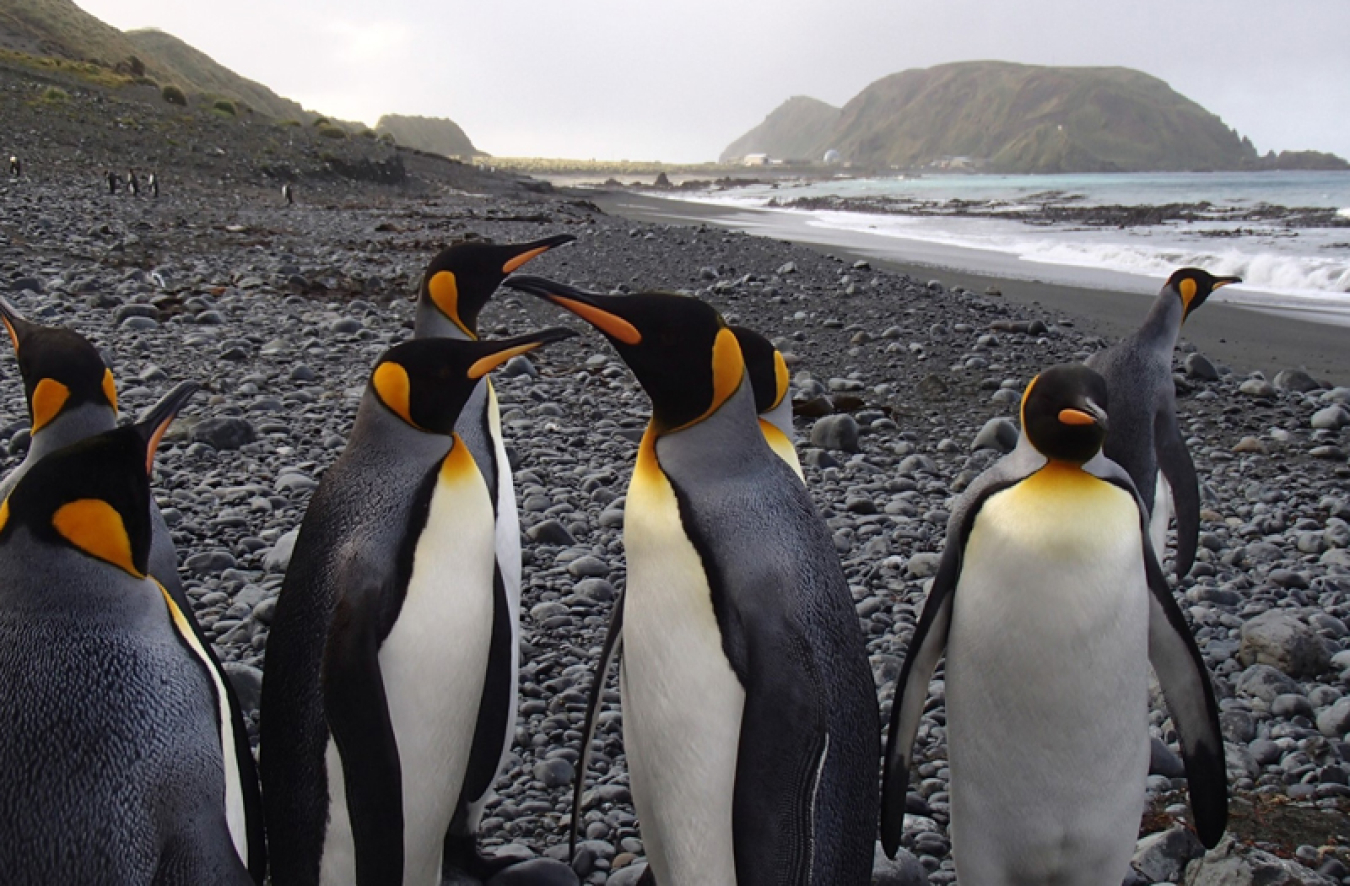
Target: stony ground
[280, 311]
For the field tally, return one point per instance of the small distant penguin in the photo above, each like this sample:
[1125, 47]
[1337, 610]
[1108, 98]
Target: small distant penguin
[116, 756]
[15, 167]
[1145, 438]
[455, 287]
[112, 182]
[71, 397]
[133, 183]
[379, 649]
[1051, 606]
[749, 712]
[288, 193]
[771, 383]
[153, 184]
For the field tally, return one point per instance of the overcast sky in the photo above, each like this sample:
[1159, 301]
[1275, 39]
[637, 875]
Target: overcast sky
[679, 80]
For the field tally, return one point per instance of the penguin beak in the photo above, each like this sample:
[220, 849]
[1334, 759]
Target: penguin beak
[156, 420]
[14, 322]
[533, 250]
[1224, 281]
[503, 350]
[597, 310]
[1090, 414]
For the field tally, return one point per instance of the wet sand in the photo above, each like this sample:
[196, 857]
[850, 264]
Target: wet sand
[1242, 338]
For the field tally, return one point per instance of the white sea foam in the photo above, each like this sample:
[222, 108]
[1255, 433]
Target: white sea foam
[1344, 212]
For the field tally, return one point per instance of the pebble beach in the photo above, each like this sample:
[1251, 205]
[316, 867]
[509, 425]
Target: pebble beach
[906, 386]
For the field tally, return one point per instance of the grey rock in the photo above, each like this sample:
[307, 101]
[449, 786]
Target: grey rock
[1163, 761]
[518, 366]
[627, 876]
[838, 432]
[1295, 380]
[1161, 857]
[1264, 682]
[1230, 864]
[246, 681]
[1330, 418]
[588, 567]
[535, 872]
[224, 433]
[923, 564]
[1334, 722]
[555, 773]
[998, 433]
[278, 559]
[1257, 387]
[903, 870]
[550, 532]
[139, 323]
[209, 562]
[1282, 641]
[1198, 367]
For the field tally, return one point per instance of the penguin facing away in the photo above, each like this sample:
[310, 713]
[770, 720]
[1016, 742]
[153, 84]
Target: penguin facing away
[771, 383]
[1145, 437]
[94, 652]
[378, 652]
[455, 287]
[72, 396]
[749, 712]
[1050, 606]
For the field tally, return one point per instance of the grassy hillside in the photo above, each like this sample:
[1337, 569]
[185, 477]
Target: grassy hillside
[1006, 117]
[798, 129]
[196, 72]
[435, 135]
[60, 28]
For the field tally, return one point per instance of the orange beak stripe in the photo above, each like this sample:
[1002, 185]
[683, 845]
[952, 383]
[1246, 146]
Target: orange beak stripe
[524, 257]
[610, 324]
[1076, 417]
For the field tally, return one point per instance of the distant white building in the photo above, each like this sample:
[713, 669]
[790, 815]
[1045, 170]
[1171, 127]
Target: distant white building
[755, 160]
[833, 157]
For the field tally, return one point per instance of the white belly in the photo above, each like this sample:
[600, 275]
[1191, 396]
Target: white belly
[1163, 511]
[1046, 688]
[682, 703]
[433, 665]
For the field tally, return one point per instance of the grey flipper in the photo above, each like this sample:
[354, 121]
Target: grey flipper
[609, 652]
[1185, 683]
[358, 718]
[1174, 460]
[930, 638]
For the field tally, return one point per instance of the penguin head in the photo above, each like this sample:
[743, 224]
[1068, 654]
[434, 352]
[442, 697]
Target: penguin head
[766, 367]
[461, 278]
[94, 495]
[1064, 413]
[680, 349]
[1193, 286]
[60, 368]
[427, 381]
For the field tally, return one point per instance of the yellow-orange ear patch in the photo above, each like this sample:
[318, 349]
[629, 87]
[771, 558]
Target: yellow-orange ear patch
[13, 336]
[781, 377]
[610, 324]
[4, 514]
[1022, 410]
[728, 366]
[1187, 288]
[95, 527]
[48, 398]
[444, 289]
[394, 389]
[110, 389]
[483, 365]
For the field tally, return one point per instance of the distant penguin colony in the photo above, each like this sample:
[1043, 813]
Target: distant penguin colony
[15, 167]
[751, 724]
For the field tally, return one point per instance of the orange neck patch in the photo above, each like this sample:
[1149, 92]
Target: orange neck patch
[780, 373]
[48, 398]
[95, 527]
[110, 389]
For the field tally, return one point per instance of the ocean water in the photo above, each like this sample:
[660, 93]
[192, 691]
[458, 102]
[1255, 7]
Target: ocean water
[1250, 227]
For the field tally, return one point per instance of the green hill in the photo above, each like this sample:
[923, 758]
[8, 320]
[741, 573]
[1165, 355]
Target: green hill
[196, 72]
[796, 130]
[1006, 117]
[435, 135]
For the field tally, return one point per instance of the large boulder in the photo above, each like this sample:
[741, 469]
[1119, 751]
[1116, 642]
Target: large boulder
[838, 432]
[1228, 864]
[1282, 641]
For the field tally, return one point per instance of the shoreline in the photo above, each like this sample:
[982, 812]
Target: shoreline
[1243, 338]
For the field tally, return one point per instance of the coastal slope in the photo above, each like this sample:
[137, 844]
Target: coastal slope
[436, 135]
[798, 129]
[1005, 117]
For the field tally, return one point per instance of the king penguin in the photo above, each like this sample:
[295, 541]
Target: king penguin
[455, 287]
[378, 653]
[1050, 605]
[769, 379]
[72, 396]
[116, 763]
[1145, 438]
[749, 712]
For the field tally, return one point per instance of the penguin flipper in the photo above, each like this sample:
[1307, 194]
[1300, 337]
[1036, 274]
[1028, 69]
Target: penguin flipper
[1190, 699]
[594, 701]
[357, 711]
[1174, 460]
[911, 690]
